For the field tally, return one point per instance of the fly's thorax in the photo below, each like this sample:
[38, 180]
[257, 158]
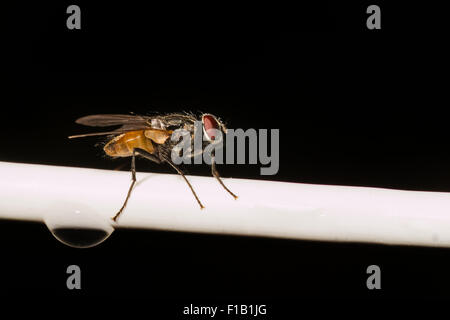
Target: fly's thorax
[158, 136]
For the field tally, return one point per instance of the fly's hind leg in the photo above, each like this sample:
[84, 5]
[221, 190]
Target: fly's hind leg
[146, 155]
[133, 178]
[216, 175]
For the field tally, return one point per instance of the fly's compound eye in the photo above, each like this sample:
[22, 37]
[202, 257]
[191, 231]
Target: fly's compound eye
[211, 127]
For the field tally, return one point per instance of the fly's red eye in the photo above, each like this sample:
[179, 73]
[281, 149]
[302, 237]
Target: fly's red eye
[210, 124]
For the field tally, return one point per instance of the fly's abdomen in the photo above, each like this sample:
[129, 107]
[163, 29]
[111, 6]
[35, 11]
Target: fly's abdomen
[123, 145]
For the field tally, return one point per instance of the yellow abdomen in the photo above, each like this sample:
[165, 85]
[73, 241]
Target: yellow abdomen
[123, 145]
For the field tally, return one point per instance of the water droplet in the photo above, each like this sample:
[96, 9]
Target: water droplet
[77, 225]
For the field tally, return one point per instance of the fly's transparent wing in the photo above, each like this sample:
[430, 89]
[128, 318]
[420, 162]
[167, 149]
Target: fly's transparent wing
[127, 123]
[106, 120]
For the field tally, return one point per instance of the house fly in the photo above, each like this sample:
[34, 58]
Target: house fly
[149, 137]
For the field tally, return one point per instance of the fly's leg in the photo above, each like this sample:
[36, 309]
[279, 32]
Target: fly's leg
[216, 175]
[152, 157]
[187, 181]
[133, 178]
[146, 155]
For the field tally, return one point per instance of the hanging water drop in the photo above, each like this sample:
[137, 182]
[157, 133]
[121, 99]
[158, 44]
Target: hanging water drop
[77, 225]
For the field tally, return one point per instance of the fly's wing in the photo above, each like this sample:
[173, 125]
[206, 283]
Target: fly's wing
[126, 121]
[129, 122]
[93, 134]
[106, 120]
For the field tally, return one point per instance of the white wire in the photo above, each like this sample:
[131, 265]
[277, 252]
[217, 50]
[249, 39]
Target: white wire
[264, 208]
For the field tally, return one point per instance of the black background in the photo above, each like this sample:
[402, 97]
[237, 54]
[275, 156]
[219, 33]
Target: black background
[354, 107]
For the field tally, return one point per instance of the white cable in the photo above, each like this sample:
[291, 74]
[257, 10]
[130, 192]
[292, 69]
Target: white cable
[264, 208]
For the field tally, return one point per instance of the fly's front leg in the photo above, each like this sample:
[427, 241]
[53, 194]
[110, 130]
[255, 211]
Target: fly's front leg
[133, 178]
[215, 174]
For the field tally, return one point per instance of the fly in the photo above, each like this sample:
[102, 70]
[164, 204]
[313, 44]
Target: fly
[149, 137]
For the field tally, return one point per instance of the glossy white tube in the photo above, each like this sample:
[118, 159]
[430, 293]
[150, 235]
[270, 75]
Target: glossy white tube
[264, 208]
